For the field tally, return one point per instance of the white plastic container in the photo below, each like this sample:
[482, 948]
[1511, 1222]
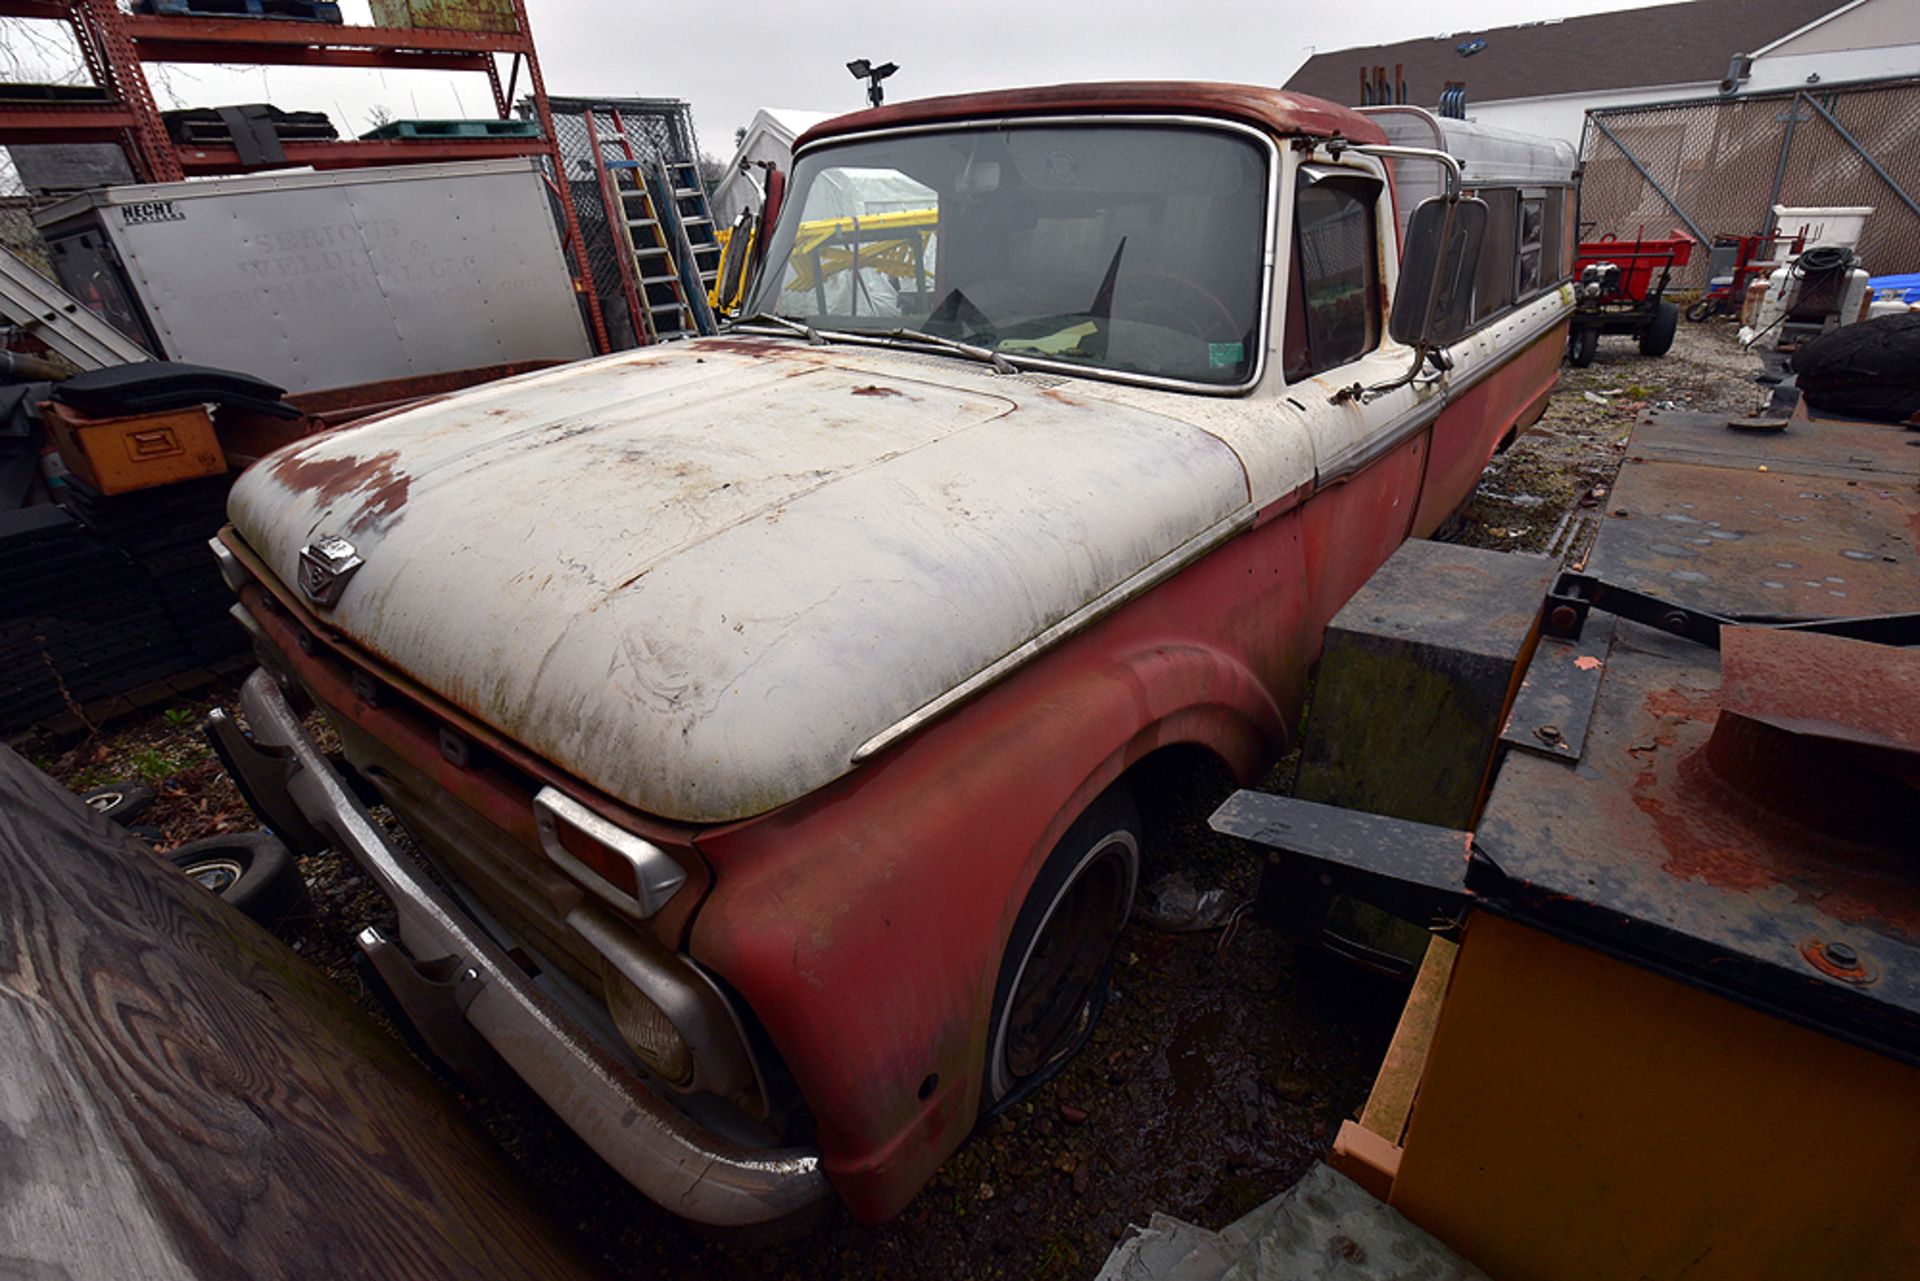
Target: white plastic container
[1824, 224]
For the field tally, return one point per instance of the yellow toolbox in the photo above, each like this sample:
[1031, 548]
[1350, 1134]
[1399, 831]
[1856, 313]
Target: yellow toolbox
[138, 451]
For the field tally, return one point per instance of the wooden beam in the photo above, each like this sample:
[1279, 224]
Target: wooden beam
[200, 159]
[183, 1097]
[283, 55]
[145, 28]
[1398, 1080]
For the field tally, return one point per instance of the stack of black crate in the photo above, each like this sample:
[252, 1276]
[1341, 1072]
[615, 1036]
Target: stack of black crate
[109, 596]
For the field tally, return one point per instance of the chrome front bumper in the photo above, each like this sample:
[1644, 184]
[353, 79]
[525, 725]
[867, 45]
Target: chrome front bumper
[667, 1156]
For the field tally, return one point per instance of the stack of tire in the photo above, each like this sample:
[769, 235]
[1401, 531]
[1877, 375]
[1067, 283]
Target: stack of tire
[78, 618]
[253, 871]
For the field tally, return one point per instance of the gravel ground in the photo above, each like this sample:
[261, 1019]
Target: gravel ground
[1552, 481]
[1225, 1061]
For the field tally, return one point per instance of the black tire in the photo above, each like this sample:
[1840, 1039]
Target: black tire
[1582, 347]
[1702, 310]
[1043, 1016]
[148, 833]
[1866, 370]
[1657, 338]
[253, 871]
[121, 802]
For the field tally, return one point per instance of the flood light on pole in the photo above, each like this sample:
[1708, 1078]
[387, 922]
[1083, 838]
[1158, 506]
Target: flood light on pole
[865, 70]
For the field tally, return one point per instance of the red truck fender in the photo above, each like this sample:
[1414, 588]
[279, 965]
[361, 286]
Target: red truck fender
[811, 903]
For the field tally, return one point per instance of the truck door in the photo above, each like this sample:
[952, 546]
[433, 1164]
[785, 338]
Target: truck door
[1369, 449]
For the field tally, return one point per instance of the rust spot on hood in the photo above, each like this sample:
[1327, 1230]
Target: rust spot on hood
[381, 489]
[738, 346]
[874, 389]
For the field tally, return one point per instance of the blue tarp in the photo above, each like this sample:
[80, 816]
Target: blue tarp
[1903, 288]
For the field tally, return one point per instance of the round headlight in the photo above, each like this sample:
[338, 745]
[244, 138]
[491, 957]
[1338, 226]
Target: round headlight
[647, 1029]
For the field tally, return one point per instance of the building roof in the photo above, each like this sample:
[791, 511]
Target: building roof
[1669, 44]
[1276, 110]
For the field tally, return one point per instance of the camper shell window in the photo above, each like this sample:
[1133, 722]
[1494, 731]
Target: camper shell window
[1527, 250]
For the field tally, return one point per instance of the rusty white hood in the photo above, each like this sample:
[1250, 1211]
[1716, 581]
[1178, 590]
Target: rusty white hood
[699, 577]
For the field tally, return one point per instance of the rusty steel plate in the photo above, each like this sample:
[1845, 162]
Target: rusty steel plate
[1844, 447]
[1819, 521]
[1751, 865]
[1646, 850]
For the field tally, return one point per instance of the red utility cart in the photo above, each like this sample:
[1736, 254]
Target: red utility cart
[1620, 287]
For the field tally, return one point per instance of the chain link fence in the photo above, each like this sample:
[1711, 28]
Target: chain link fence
[1717, 166]
[659, 129]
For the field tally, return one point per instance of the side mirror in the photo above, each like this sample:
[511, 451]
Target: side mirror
[1434, 301]
[741, 246]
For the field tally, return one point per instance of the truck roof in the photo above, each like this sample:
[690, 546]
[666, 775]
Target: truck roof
[1275, 110]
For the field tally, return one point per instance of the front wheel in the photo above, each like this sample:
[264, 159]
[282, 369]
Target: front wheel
[1584, 346]
[1053, 978]
[1700, 311]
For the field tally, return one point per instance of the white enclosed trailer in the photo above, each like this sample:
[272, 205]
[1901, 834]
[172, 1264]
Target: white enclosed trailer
[318, 281]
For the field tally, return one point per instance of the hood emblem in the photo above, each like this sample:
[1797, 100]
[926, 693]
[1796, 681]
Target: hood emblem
[326, 564]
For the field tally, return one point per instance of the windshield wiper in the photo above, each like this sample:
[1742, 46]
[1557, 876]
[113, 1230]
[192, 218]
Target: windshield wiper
[797, 327]
[804, 330]
[985, 355]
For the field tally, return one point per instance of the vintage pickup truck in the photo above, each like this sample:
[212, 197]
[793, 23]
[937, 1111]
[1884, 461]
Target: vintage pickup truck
[764, 708]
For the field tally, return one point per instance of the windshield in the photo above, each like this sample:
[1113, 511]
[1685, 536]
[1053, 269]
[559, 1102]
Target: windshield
[1134, 248]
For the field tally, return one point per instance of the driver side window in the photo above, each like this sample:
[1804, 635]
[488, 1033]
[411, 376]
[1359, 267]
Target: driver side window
[1333, 290]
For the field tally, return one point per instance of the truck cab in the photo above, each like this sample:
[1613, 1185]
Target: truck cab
[765, 710]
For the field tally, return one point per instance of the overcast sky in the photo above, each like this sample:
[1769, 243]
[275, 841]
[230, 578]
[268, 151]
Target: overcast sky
[729, 60]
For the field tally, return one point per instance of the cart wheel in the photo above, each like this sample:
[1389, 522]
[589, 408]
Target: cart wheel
[1582, 348]
[1702, 310]
[1657, 338]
